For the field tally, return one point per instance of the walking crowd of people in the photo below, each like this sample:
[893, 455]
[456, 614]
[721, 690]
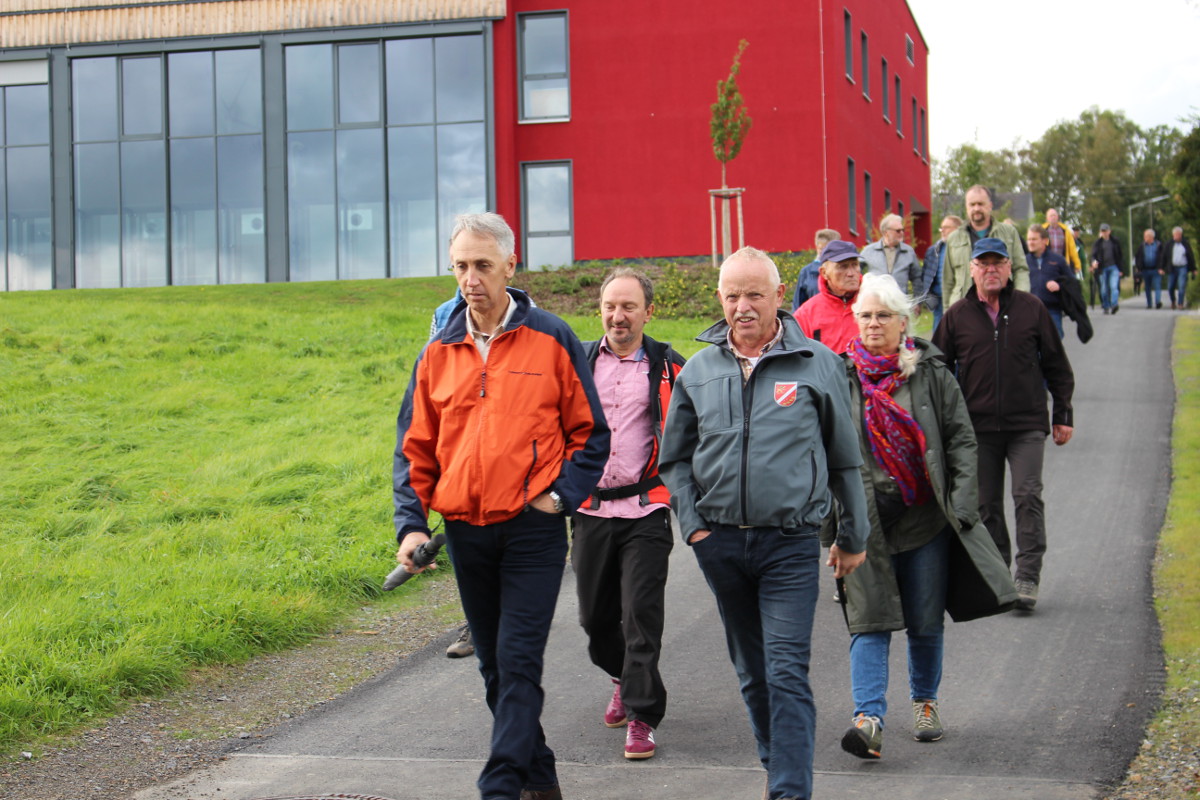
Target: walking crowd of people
[830, 425]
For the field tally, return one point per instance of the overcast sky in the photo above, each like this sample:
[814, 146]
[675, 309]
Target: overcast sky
[1003, 71]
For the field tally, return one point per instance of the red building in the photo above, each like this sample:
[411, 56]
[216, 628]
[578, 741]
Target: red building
[837, 92]
[153, 144]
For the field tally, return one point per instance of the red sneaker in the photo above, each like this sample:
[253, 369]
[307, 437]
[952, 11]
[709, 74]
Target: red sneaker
[614, 715]
[639, 740]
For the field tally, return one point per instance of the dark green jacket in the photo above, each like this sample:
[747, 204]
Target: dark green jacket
[980, 583]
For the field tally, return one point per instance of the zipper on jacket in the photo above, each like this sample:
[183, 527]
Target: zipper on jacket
[747, 402]
[528, 475]
[483, 384]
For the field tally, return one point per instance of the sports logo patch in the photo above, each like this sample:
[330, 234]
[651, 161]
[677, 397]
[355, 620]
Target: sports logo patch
[785, 392]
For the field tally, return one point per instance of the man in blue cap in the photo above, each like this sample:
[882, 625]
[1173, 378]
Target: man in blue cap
[1004, 347]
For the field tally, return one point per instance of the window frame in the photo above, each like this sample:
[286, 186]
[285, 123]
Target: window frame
[852, 205]
[526, 233]
[523, 117]
[884, 88]
[865, 64]
[848, 35]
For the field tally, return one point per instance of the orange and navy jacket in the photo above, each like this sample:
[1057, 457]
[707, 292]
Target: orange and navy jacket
[665, 364]
[476, 442]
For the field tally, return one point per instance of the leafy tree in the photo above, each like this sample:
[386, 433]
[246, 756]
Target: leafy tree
[729, 125]
[1183, 178]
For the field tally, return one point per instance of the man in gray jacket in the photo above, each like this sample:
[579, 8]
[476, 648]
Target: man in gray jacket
[759, 441]
[891, 256]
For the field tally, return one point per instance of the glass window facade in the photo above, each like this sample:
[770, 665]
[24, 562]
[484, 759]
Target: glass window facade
[417, 106]
[165, 174]
[543, 58]
[549, 232]
[26, 243]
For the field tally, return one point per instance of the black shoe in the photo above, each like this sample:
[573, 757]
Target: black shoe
[1158, 305]
[1115, 309]
[553, 793]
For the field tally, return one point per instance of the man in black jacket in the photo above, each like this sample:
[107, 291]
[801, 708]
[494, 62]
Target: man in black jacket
[1178, 257]
[1107, 266]
[1003, 345]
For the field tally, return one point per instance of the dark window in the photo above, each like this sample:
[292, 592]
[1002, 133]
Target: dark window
[915, 132]
[867, 200]
[866, 67]
[908, 48]
[544, 64]
[549, 239]
[900, 210]
[887, 201]
[851, 185]
[883, 86]
[924, 137]
[849, 42]
[896, 99]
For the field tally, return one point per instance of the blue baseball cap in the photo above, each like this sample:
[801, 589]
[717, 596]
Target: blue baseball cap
[837, 250]
[989, 245]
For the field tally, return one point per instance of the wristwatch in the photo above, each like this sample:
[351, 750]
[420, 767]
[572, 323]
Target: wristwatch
[558, 501]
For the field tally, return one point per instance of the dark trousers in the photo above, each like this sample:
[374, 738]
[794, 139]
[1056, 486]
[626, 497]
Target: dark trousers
[508, 576]
[765, 581]
[1024, 452]
[621, 577]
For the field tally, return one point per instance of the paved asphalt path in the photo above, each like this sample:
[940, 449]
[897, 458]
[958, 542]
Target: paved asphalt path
[1047, 706]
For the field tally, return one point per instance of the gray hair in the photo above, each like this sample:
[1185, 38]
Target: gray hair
[489, 224]
[749, 253]
[892, 219]
[885, 289]
[629, 272]
[1177, 229]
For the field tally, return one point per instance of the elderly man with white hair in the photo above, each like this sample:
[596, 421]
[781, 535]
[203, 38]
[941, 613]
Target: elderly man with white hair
[759, 442]
[891, 256]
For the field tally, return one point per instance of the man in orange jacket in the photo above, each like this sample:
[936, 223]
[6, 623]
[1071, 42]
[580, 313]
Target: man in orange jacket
[501, 432]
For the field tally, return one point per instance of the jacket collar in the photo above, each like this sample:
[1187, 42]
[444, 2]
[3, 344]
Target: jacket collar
[792, 341]
[456, 328]
[1005, 293]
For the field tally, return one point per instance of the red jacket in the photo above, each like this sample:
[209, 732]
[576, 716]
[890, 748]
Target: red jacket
[828, 318]
[477, 442]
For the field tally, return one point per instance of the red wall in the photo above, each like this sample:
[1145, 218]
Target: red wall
[643, 76]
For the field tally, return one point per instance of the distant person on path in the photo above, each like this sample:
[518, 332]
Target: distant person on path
[622, 534]
[930, 293]
[759, 442]
[1049, 275]
[919, 464]
[1063, 242]
[1106, 264]
[1002, 344]
[501, 431]
[891, 256]
[806, 282]
[1147, 261]
[828, 317]
[1179, 258]
[956, 279]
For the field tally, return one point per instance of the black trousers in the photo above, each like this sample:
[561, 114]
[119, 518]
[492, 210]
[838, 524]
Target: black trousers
[1024, 451]
[620, 578]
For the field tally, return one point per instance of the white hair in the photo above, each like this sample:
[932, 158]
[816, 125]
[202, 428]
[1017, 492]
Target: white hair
[885, 289]
[752, 254]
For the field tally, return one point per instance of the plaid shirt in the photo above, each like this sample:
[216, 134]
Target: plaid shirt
[1058, 241]
[747, 363]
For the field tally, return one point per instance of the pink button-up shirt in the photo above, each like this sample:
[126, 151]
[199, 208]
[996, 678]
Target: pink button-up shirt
[624, 388]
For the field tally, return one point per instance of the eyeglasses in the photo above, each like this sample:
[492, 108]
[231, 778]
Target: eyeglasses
[883, 317]
[991, 265]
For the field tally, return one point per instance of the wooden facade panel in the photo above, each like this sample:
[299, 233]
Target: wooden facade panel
[33, 23]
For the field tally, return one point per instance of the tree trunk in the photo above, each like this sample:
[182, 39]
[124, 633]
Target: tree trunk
[726, 239]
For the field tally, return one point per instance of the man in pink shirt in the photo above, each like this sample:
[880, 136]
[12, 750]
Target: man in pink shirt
[622, 533]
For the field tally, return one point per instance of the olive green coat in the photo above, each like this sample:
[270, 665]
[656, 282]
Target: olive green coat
[980, 583]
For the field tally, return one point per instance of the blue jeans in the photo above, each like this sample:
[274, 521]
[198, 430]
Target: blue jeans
[1110, 286]
[766, 581]
[1056, 315]
[1178, 281]
[1153, 282]
[508, 576]
[922, 575]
